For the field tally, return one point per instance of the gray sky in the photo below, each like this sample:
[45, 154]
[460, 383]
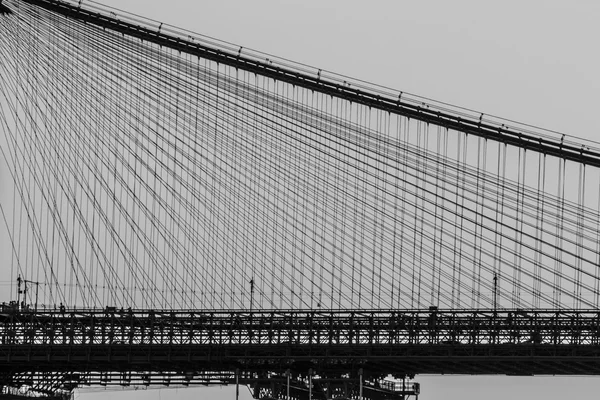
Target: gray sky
[532, 61]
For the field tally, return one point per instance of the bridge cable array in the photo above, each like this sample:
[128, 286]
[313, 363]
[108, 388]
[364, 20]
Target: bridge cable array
[145, 177]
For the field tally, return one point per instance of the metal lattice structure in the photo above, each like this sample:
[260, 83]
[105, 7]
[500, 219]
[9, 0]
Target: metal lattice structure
[407, 342]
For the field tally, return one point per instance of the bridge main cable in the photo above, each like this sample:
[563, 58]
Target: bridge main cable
[422, 112]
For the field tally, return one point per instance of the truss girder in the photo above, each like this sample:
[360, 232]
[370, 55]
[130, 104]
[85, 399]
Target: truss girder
[410, 342]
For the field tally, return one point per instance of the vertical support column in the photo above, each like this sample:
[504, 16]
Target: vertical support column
[251, 294]
[495, 293]
[237, 384]
[19, 280]
[360, 377]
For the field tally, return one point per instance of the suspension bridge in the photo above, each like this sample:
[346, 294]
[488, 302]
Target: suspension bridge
[183, 211]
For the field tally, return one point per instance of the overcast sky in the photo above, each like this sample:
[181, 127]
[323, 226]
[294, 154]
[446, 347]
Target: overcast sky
[532, 61]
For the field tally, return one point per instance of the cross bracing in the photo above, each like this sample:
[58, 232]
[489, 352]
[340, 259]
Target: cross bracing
[405, 342]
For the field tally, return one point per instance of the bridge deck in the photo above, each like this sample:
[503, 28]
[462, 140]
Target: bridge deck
[403, 342]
